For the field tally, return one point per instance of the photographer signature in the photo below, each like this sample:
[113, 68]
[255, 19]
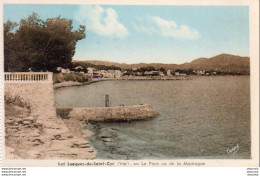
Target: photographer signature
[233, 150]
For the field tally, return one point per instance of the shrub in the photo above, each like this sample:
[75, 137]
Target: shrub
[63, 112]
[79, 78]
[76, 77]
[16, 100]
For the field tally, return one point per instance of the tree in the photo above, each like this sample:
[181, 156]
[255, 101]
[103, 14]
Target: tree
[9, 43]
[40, 45]
[162, 70]
[148, 68]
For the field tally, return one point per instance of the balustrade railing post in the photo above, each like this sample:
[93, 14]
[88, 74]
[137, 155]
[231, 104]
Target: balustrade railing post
[30, 77]
[49, 77]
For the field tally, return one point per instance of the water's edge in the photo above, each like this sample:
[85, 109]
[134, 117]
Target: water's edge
[199, 118]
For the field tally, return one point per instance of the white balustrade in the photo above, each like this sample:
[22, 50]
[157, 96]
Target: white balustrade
[28, 76]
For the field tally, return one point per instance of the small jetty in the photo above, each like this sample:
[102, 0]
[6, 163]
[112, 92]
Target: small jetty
[117, 113]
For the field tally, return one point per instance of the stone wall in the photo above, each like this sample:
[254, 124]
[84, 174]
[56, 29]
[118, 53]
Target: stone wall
[39, 133]
[39, 95]
[119, 113]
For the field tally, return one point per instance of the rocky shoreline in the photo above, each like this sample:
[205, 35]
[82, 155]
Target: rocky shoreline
[28, 137]
[36, 132]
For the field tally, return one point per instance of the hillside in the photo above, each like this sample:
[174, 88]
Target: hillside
[222, 63]
[125, 66]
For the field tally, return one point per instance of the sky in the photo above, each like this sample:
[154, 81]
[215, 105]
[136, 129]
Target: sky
[149, 33]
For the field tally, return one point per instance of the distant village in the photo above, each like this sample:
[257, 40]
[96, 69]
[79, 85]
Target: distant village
[145, 71]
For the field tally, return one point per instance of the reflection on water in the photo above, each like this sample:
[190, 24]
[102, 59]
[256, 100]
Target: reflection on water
[202, 117]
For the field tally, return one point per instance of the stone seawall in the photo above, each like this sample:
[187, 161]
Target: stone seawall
[38, 133]
[119, 113]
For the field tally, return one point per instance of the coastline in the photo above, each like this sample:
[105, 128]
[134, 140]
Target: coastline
[132, 78]
[66, 84]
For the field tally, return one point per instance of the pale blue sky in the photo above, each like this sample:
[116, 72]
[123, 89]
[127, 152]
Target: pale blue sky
[165, 34]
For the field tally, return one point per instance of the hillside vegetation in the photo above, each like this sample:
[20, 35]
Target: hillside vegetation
[221, 63]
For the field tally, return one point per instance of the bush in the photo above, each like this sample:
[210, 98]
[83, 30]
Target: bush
[63, 112]
[79, 78]
[85, 78]
[76, 77]
[70, 77]
[16, 100]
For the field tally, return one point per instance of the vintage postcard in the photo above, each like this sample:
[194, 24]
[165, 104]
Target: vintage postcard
[97, 83]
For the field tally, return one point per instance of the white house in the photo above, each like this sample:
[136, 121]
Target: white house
[90, 70]
[59, 69]
[118, 74]
[97, 73]
[161, 73]
[78, 67]
[200, 72]
[169, 73]
[63, 70]
[152, 73]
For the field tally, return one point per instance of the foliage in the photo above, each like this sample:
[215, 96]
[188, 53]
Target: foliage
[162, 69]
[75, 77]
[16, 100]
[148, 68]
[40, 45]
[63, 112]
